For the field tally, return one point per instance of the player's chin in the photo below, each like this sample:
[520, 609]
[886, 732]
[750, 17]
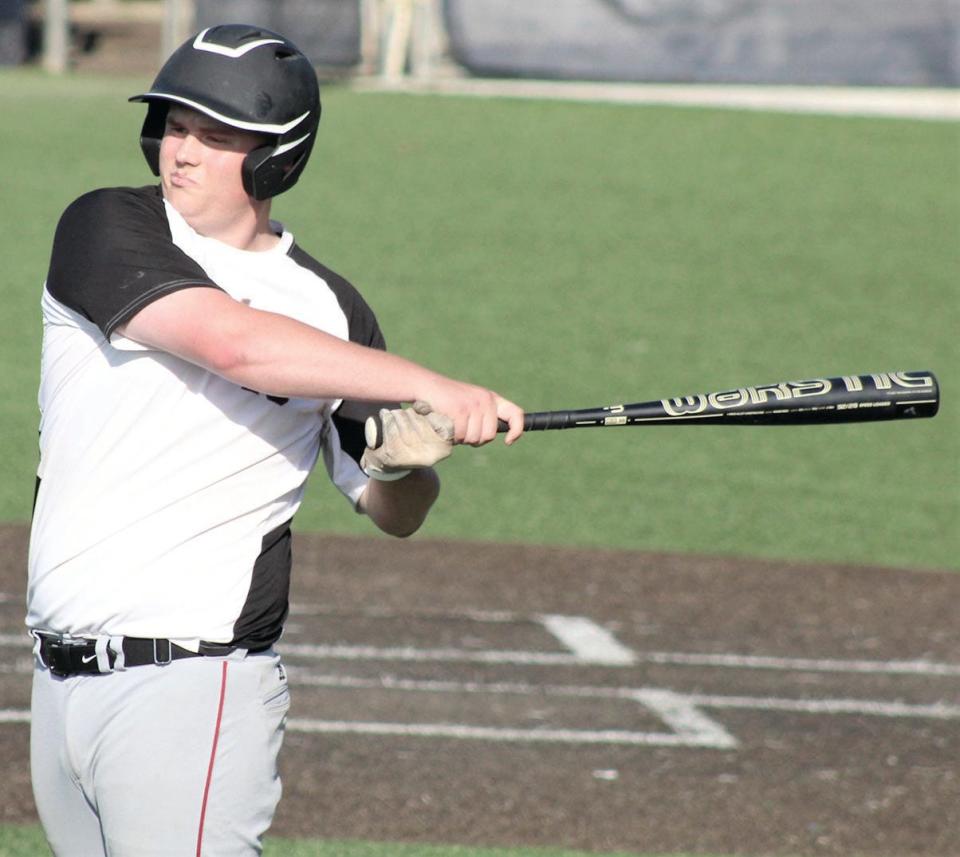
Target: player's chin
[182, 198]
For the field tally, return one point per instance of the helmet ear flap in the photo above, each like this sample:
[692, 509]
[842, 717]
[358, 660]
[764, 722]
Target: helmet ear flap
[260, 176]
[151, 133]
[266, 174]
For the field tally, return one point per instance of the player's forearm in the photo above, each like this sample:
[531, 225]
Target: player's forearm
[281, 357]
[399, 508]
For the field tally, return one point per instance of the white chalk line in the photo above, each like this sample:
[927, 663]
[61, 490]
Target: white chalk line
[502, 734]
[14, 715]
[865, 707]
[764, 662]
[650, 697]
[306, 677]
[487, 616]
[587, 640]
[525, 658]
[412, 653]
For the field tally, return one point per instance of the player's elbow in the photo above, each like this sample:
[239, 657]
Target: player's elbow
[227, 356]
[232, 351]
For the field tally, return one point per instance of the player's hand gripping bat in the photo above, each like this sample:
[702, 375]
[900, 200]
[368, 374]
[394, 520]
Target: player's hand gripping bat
[847, 399]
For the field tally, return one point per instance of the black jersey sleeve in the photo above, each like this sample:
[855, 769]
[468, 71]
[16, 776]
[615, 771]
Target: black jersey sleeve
[364, 329]
[113, 254]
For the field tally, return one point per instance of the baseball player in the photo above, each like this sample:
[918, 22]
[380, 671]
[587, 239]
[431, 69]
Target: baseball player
[196, 364]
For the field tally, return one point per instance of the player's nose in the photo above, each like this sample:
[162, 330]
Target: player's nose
[188, 150]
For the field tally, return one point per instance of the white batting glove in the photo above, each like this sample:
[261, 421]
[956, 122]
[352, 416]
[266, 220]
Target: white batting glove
[413, 438]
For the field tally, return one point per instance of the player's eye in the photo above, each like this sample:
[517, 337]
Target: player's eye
[220, 139]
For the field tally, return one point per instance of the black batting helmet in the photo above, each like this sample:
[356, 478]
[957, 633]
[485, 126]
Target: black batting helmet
[249, 78]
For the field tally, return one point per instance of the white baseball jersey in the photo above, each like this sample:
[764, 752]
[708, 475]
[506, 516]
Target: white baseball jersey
[165, 492]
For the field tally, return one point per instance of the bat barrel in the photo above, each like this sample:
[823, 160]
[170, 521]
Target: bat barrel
[846, 399]
[820, 401]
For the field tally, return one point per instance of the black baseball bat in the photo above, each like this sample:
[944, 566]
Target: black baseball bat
[818, 401]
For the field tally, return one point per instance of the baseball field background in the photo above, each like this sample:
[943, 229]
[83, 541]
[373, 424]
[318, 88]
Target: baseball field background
[571, 255]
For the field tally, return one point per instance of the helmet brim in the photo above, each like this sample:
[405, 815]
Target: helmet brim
[258, 127]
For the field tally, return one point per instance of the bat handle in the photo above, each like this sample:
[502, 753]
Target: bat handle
[373, 430]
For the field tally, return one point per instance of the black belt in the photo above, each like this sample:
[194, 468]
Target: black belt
[65, 656]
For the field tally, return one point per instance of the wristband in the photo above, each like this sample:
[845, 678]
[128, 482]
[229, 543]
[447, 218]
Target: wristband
[382, 476]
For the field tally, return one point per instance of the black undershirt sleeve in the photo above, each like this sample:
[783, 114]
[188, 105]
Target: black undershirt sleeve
[113, 254]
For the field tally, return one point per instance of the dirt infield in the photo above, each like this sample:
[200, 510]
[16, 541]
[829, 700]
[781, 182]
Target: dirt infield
[487, 694]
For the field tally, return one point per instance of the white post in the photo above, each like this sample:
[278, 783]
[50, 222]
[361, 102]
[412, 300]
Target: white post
[398, 39]
[427, 42]
[370, 35]
[56, 27]
[178, 18]
[420, 46]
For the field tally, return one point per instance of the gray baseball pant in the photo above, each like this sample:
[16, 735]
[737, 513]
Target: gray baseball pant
[157, 761]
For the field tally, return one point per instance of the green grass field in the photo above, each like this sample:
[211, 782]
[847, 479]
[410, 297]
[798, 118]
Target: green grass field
[570, 255]
[29, 842]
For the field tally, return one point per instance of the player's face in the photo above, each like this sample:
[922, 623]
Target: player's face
[200, 161]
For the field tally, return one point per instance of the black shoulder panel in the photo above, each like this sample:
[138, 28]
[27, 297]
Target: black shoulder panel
[113, 254]
[360, 318]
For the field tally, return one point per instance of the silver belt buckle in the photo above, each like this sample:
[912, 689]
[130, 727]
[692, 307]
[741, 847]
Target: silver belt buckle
[162, 662]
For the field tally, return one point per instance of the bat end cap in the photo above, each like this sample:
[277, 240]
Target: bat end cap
[371, 433]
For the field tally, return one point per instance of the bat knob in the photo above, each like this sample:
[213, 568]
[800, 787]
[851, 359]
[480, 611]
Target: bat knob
[372, 432]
